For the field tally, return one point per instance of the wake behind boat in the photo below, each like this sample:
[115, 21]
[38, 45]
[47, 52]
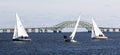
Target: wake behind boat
[20, 33]
[71, 38]
[96, 32]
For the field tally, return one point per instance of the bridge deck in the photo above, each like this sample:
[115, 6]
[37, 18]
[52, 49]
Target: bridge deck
[59, 27]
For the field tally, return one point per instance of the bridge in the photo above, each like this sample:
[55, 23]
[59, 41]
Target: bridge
[59, 27]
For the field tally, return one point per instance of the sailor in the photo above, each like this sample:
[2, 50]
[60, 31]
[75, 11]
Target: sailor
[100, 35]
[66, 39]
[22, 37]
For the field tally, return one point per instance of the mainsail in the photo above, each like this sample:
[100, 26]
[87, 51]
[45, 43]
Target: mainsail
[20, 28]
[75, 29]
[95, 30]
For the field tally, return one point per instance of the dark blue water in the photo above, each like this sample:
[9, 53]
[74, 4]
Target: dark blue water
[53, 44]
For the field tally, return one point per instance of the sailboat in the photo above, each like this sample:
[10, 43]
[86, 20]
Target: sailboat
[20, 33]
[71, 37]
[96, 32]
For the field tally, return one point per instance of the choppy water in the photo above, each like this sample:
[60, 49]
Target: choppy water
[53, 44]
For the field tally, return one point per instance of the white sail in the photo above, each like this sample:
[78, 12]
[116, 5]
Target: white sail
[15, 35]
[20, 27]
[96, 31]
[93, 33]
[75, 29]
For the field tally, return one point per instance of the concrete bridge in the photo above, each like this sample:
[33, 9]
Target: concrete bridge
[59, 27]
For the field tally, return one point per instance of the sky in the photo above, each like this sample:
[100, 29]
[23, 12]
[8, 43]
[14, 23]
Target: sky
[38, 13]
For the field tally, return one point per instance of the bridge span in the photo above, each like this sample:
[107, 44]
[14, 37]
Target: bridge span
[59, 27]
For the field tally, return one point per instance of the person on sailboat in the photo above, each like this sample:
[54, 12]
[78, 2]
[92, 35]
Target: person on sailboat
[26, 37]
[22, 37]
[100, 35]
[66, 39]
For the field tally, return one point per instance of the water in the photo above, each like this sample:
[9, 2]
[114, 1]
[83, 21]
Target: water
[53, 44]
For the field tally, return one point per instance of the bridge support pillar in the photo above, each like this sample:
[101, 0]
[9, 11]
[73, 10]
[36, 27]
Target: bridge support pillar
[114, 30]
[107, 30]
[60, 31]
[33, 30]
[4, 30]
[45, 30]
[89, 30]
[38, 30]
[119, 30]
[54, 31]
[26, 30]
[11, 30]
[41, 30]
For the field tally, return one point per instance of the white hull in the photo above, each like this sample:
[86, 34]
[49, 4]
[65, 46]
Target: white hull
[69, 40]
[100, 38]
[73, 41]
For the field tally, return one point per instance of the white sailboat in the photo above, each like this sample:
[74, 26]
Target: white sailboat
[96, 32]
[71, 38]
[20, 33]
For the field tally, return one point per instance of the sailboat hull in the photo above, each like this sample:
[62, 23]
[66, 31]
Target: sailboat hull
[101, 38]
[69, 40]
[22, 39]
[73, 41]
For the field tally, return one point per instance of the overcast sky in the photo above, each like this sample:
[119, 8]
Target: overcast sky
[37, 13]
